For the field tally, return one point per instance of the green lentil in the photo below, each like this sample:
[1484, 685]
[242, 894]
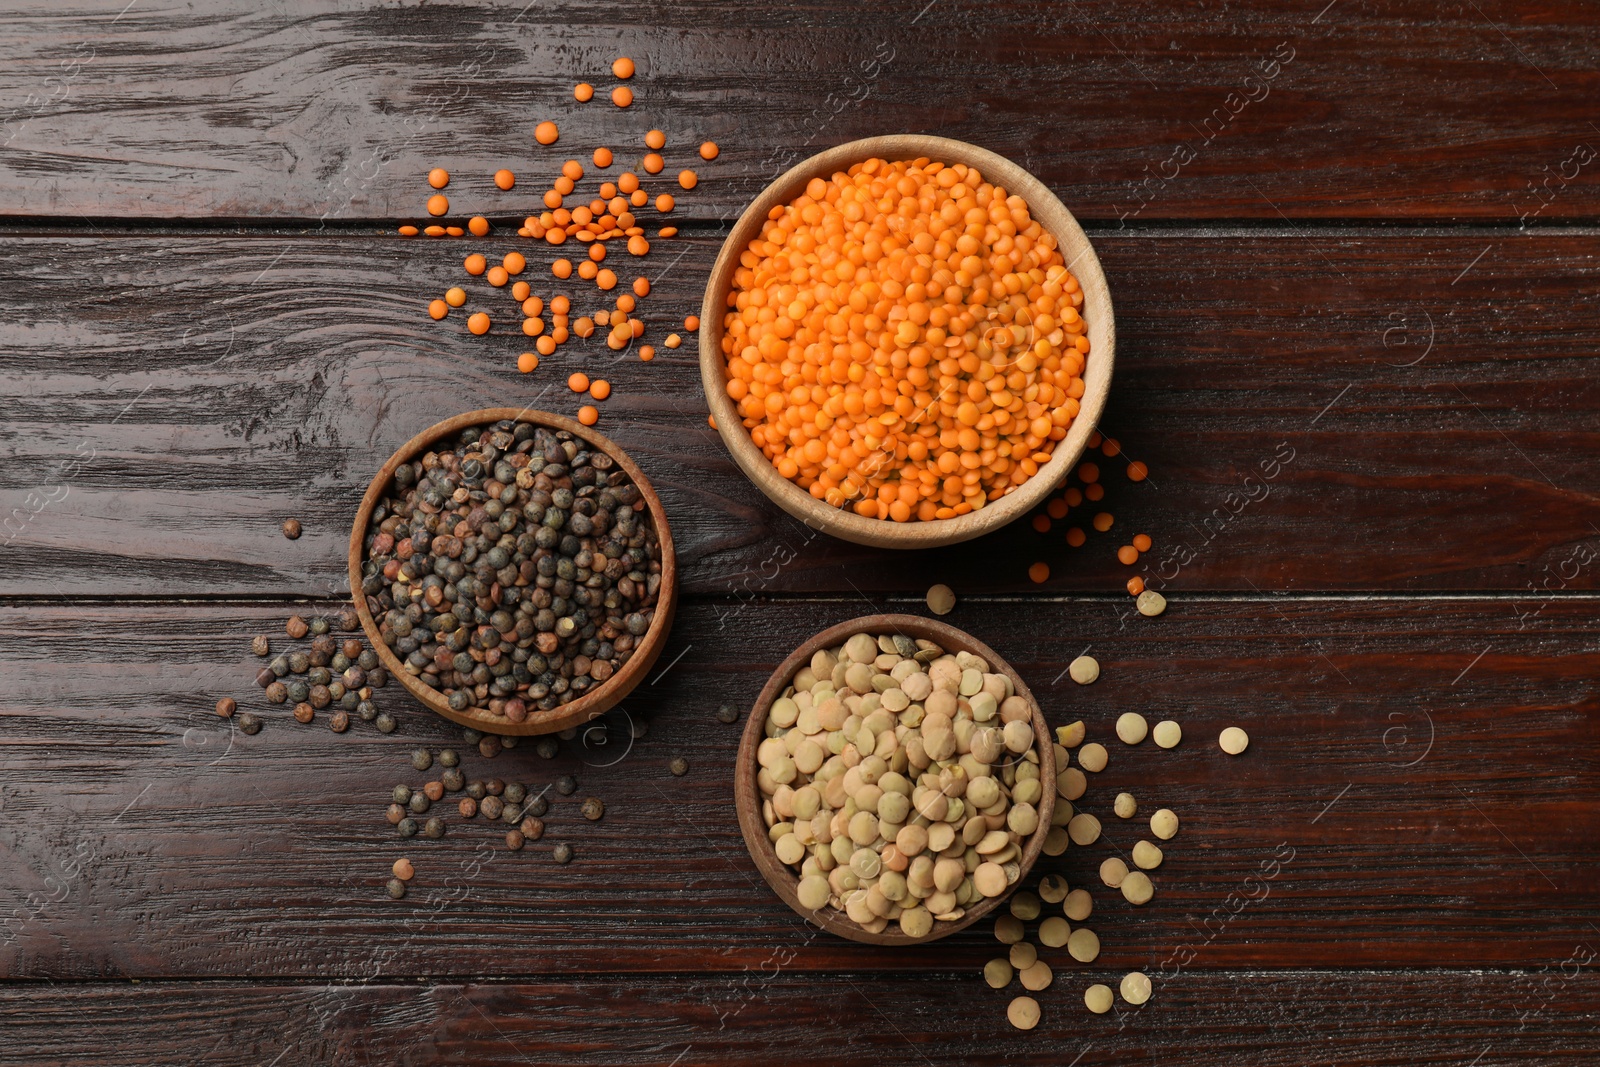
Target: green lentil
[728, 714]
[401, 794]
[452, 779]
[679, 766]
[515, 840]
[407, 827]
[566, 785]
[449, 758]
[421, 759]
[249, 723]
[397, 888]
[386, 723]
[547, 747]
[434, 828]
[339, 721]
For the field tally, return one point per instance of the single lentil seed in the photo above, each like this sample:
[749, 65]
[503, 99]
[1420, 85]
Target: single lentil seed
[339, 721]
[1164, 824]
[1054, 931]
[1167, 734]
[1125, 806]
[1136, 888]
[1022, 955]
[1036, 976]
[433, 790]
[260, 645]
[386, 723]
[226, 707]
[1135, 987]
[1093, 757]
[515, 840]
[296, 627]
[448, 758]
[1083, 945]
[1084, 669]
[401, 794]
[1078, 905]
[1023, 1013]
[1025, 905]
[941, 599]
[1084, 829]
[727, 713]
[1233, 740]
[291, 528]
[433, 828]
[397, 888]
[304, 713]
[566, 785]
[1146, 855]
[407, 827]
[1113, 871]
[1150, 603]
[562, 853]
[997, 972]
[403, 869]
[1098, 998]
[422, 759]
[679, 766]
[249, 723]
[1052, 889]
[593, 808]
[1008, 929]
[1132, 728]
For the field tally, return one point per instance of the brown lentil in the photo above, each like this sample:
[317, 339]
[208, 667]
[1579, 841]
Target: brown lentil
[260, 645]
[339, 721]
[403, 869]
[296, 627]
[304, 713]
[679, 766]
[226, 707]
[291, 528]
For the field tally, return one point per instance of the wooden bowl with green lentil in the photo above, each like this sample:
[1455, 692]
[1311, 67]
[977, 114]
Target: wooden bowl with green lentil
[976, 515]
[765, 832]
[605, 685]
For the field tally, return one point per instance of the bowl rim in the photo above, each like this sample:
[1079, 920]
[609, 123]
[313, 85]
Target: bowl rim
[1045, 207]
[592, 704]
[747, 795]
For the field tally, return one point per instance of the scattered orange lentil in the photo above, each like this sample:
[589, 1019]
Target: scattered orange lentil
[1039, 572]
[438, 309]
[438, 204]
[1094, 491]
[653, 163]
[665, 203]
[587, 270]
[606, 279]
[514, 263]
[1142, 542]
[552, 199]
[626, 302]
[1135, 585]
[622, 96]
[666, 231]
[475, 264]
[638, 246]
[479, 323]
[711, 421]
[588, 414]
[622, 67]
[478, 226]
[1073, 497]
[583, 92]
[655, 139]
[434, 231]
[532, 307]
[709, 150]
[527, 362]
[561, 268]
[1076, 537]
[627, 182]
[673, 340]
[691, 323]
[647, 353]
[1095, 438]
[521, 291]
[1110, 447]
[504, 179]
[1088, 472]
[583, 327]
[454, 231]
[1137, 472]
[602, 157]
[546, 132]
[638, 198]
[578, 382]
[600, 389]
[408, 231]
[1041, 523]
[455, 296]
[597, 252]
[688, 179]
[572, 170]
[608, 189]
[1057, 508]
[560, 305]
[1128, 555]
[546, 345]
[438, 177]
[1103, 521]
[496, 276]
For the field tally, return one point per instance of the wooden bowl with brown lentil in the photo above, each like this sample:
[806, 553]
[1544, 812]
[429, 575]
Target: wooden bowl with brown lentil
[983, 281]
[900, 828]
[517, 506]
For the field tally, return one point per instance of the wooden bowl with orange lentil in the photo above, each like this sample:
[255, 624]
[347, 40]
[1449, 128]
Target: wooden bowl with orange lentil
[906, 341]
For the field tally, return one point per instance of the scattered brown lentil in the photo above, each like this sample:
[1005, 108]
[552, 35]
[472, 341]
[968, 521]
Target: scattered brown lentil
[304, 712]
[339, 721]
[403, 869]
[226, 707]
[679, 766]
[291, 528]
[562, 853]
[296, 627]
[249, 723]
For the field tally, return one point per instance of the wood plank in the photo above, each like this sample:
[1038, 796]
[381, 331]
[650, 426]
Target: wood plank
[1420, 791]
[1348, 410]
[1271, 1019]
[1139, 110]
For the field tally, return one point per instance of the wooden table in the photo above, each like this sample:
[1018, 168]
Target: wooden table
[1353, 253]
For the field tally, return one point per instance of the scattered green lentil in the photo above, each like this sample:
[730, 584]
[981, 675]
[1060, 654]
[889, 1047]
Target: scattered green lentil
[422, 759]
[532, 828]
[1234, 740]
[1008, 929]
[1135, 987]
[452, 779]
[467, 807]
[1025, 906]
[291, 529]
[1036, 976]
[1167, 734]
[941, 599]
[470, 736]
[1023, 1013]
[296, 627]
[566, 785]
[448, 758]
[562, 853]
[492, 807]
[433, 828]
[490, 746]
[1053, 889]
[226, 707]
[367, 710]
[515, 840]
[419, 803]
[304, 713]
[1023, 955]
[1084, 669]
[1078, 905]
[386, 723]
[1147, 855]
[319, 626]
[407, 827]
[728, 714]
[1131, 728]
[1054, 931]
[401, 794]
[537, 806]
[679, 766]
[1098, 998]
[547, 748]
[997, 972]
[1164, 824]
[339, 721]
[397, 888]
[249, 723]
[516, 793]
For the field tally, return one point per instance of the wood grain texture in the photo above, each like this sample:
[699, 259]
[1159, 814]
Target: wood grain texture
[1421, 790]
[1393, 410]
[1144, 110]
[1269, 1019]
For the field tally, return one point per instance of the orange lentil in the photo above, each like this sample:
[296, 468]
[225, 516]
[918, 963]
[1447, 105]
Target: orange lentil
[572, 170]
[438, 204]
[1128, 555]
[665, 203]
[578, 382]
[546, 132]
[1103, 521]
[454, 231]
[1094, 491]
[1041, 523]
[691, 323]
[655, 139]
[890, 387]
[533, 307]
[622, 67]
[606, 279]
[641, 287]
[667, 231]
[478, 226]
[533, 327]
[587, 269]
[602, 157]
[1088, 472]
[479, 323]
[638, 327]
[408, 231]
[622, 96]
[626, 303]
[1142, 542]
[504, 179]
[546, 345]
[555, 236]
[711, 421]
[588, 415]
[709, 150]
[584, 327]
[688, 179]
[1137, 472]
[552, 199]
[1110, 447]
[561, 268]
[1057, 508]
[455, 296]
[597, 252]
[653, 163]
[514, 263]
[1039, 572]
[564, 185]
[627, 182]
[1135, 585]
[600, 389]
[1095, 438]
[434, 231]
[438, 177]
[560, 305]
[638, 246]
[608, 190]
[647, 353]
[475, 264]
[583, 92]
[1073, 497]
[521, 291]
[673, 340]
[1076, 537]
[638, 198]
[438, 309]
[496, 276]
[527, 362]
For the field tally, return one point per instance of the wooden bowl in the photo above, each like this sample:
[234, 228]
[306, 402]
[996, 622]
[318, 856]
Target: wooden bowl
[593, 703]
[747, 795]
[1080, 258]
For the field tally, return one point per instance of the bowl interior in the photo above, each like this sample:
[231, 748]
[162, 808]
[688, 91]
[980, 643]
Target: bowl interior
[602, 697]
[747, 795]
[1096, 311]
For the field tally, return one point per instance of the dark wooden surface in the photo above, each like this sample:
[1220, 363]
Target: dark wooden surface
[209, 327]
